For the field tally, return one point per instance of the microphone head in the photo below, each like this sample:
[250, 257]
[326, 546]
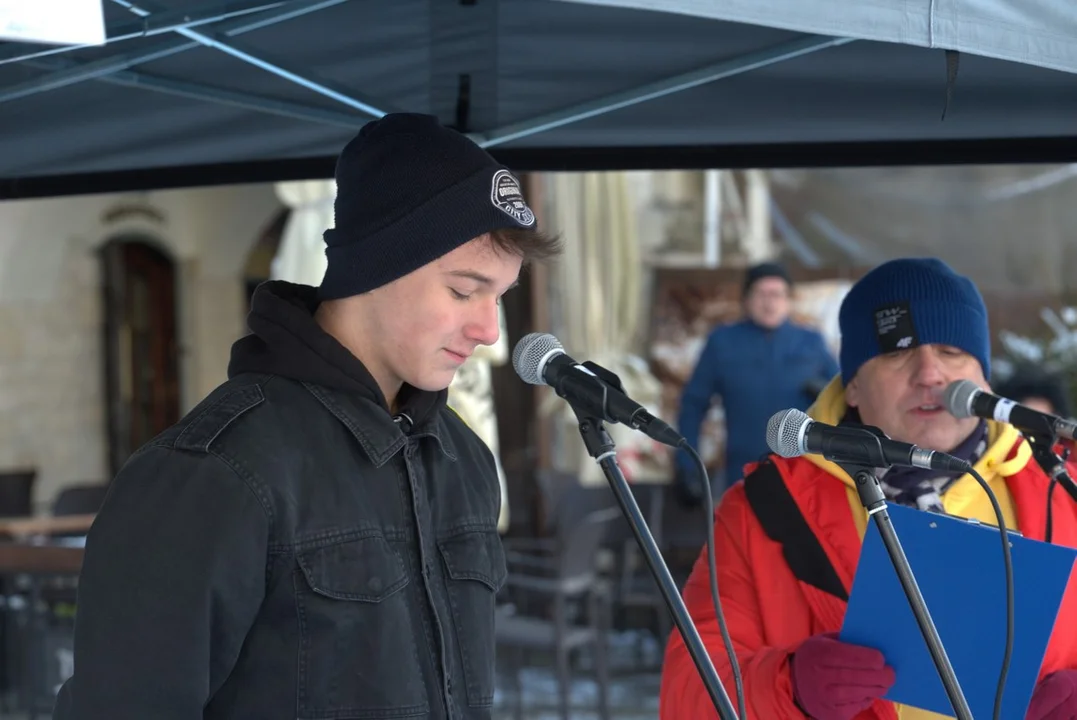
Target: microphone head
[785, 432]
[531, 354]
[958, 398]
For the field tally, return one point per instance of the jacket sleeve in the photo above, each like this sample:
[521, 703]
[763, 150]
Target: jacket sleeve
[699, 392]
[764, 670]
[173, 576]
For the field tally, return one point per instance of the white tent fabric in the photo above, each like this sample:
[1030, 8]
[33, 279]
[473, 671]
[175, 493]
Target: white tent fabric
[301, 255]
[1033, 32]
[599, 294]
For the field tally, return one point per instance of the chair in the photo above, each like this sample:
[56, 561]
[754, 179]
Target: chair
[49, 604]
[16, 500]
[636, 588]
[79, 499]
[17, 492]
[548, 579]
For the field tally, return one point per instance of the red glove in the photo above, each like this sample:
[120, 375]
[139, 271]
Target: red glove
[1055, 697]
[833, 680]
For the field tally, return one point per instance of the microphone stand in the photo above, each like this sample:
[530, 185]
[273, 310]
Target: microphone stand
[874, 501]
[1054, 466]
[600, 446]
[1043, 449]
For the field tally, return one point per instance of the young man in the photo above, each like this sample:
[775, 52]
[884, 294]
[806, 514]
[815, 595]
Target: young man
[788, 537]
[757, 366]
[318, 538]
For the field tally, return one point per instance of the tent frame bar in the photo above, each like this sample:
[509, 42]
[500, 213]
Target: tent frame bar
[123, 61]
[701, 76]
[116, 69]
[218, 42]
[159, 24]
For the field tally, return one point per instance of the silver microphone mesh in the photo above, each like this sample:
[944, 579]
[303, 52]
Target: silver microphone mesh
[785, 432]
[958, 398]
[531, 355]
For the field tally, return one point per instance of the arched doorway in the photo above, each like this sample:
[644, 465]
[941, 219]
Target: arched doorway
[259, 265]
[141, 348]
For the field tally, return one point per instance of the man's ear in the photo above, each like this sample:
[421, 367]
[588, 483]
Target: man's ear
[852, 394]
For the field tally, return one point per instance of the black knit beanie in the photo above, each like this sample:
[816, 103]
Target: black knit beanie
[764, 270]
[409, 191]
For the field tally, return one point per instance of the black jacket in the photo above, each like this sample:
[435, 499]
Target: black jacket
[291, 550]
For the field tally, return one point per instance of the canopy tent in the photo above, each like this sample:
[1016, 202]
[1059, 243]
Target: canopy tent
[260, 90]
[1036, 32]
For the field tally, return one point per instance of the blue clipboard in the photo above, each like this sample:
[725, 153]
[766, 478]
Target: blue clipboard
[959, 568]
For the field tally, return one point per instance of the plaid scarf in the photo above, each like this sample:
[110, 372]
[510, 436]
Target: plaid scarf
[920, 488]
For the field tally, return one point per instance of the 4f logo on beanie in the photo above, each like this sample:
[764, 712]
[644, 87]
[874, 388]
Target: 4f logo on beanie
[895, 328]
[507, 197]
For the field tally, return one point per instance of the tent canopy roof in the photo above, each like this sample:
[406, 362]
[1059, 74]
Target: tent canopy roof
[273, 89]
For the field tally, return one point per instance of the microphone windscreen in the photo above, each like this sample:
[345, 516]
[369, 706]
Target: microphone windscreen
[958, 398]
[785, 430]
[531, 354]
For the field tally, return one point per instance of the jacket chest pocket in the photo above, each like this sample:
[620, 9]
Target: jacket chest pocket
[475, 563]
[358, 655]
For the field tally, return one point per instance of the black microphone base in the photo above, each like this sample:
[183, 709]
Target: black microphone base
[601, 447]
[874, 501]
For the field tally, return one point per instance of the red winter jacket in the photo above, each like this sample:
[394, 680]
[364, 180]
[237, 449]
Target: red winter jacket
[769, 611]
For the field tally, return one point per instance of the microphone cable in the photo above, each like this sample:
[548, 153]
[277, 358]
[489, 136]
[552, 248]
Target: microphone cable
[1008, 563]
[712, 566]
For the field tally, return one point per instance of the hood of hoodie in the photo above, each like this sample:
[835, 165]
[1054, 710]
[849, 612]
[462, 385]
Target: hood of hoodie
[286, 341]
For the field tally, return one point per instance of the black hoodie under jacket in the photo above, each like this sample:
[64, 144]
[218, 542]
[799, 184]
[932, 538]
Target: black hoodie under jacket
[291, 550]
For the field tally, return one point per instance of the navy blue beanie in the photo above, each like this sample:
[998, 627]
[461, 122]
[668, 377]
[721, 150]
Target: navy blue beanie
[909, 302]
[408, 192]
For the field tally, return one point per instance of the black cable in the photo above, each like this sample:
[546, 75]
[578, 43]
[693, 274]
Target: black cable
[712, 565]
[1050, 529]
[1008, 562]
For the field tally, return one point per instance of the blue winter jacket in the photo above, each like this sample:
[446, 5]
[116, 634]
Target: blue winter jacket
[756, 372]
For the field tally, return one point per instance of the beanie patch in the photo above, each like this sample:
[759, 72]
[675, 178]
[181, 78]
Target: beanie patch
[409, 191]
[895, 328]
[909, 302]
[506, 195]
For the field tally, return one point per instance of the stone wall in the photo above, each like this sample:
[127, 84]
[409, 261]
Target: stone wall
[52, 398]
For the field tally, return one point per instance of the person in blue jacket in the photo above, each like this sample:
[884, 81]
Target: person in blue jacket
[757, 366]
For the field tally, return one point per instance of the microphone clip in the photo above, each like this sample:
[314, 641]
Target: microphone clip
[608, 377]
[867, 484]
[589, 373]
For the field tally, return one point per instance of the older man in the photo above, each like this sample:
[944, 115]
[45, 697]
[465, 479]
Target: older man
[788, 538]
[757, 366]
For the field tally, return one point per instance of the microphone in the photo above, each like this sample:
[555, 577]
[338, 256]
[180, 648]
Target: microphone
[792, 433]
[965, 399]
[539, 359]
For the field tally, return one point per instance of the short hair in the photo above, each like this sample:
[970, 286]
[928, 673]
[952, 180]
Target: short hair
[532, 244]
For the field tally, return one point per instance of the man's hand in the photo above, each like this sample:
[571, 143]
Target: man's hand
[1055, 697]
[833, 680]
